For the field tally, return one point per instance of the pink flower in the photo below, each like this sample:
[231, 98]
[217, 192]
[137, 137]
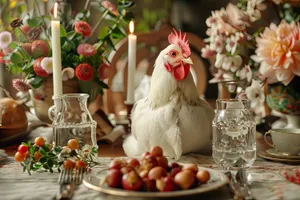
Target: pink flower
[86, 50]
[207, 52]
[103, 71]
[254, 8]
[20, 85]
[5, 39]
[278, 52]
[109, 6]
[83, 28]
[236, 17]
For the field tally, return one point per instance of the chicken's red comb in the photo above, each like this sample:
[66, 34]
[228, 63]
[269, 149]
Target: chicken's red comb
[181, 41]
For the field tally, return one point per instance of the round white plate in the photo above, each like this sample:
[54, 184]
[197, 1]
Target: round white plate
[94, 179]
[274, 152]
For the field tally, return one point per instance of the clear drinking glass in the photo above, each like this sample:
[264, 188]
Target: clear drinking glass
[234, 142]
[72, 119]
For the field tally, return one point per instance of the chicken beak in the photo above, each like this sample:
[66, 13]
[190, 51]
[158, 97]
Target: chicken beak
[187, 61]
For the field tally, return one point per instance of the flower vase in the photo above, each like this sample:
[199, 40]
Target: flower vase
[42, 96]
[286, 99]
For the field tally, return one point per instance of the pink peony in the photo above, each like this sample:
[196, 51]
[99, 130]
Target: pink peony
[83, 28]
[86, 50]
[20, 85]
[278, 52]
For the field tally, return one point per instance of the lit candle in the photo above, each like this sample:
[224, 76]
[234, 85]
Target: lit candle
[131, 64]
[56, 54]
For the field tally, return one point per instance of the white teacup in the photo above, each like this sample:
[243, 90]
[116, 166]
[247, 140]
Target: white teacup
[286, 141]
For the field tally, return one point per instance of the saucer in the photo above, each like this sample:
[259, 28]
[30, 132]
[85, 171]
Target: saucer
[265, 155]
[274, 152]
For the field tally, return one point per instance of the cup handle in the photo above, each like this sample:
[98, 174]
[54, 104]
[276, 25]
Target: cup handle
[52, 113]
[265, 138]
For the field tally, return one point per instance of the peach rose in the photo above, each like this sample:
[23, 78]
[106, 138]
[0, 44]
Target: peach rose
[278, 52]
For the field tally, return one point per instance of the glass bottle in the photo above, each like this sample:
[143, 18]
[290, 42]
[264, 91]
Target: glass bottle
[234, 130]
[72, 119]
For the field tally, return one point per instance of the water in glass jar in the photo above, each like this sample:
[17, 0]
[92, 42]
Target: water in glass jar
[234, 143]
[84, 133]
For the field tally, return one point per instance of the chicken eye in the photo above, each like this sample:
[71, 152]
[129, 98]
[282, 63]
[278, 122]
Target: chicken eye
[173, 54]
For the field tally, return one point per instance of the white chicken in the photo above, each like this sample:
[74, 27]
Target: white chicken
[172, 116]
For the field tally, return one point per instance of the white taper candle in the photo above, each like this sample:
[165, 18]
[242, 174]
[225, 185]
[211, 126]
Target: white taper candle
[56, 54]
[132, 39]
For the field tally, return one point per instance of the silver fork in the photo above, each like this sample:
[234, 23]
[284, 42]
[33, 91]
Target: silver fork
[68, 179]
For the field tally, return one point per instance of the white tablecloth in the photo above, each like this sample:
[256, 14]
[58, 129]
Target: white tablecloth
[267, 184]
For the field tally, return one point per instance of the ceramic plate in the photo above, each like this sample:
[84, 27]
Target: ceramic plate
[94, 179]
[274, 152]
[265, 155]
[19, 136]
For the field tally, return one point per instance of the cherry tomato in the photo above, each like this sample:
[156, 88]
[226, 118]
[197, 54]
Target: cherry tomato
[80, 164]
[22, 149]
[20, 157]
[37, 156]
[73, 144]
[39, 141]
[68, 164]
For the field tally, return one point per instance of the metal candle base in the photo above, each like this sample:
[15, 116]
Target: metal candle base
[129, 107]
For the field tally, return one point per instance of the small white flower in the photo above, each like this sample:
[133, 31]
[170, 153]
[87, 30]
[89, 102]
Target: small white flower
[211, 21]
[254, 8]
[5, 39]
[68, 73]
[219, 60]
[255, 93]
[47, 64]
[231, 44]
[245, 73]
[232, 63]
[217, 44]
[260, 112]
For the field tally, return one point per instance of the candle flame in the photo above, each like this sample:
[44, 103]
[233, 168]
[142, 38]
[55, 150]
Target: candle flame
[131, 27]
[55, 10]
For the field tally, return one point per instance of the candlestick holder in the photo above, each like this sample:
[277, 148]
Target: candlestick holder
[129, 107]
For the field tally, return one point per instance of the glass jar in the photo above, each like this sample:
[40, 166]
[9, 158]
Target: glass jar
[72, 119]
[234, 130]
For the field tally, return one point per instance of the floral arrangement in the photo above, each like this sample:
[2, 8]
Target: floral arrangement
[249, 48]
[84, 51]
[41, 155]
